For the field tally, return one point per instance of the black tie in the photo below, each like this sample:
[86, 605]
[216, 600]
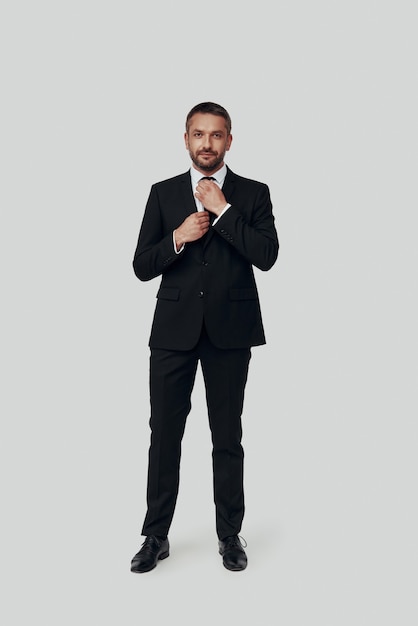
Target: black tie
[211, 215]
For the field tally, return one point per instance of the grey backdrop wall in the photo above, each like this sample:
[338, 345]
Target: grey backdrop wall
[323, 100]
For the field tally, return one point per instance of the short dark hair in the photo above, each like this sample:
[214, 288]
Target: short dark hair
[213, 109]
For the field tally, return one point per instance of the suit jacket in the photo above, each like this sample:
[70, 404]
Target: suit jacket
[212, 280]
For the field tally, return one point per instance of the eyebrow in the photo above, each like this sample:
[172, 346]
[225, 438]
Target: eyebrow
[199, 130]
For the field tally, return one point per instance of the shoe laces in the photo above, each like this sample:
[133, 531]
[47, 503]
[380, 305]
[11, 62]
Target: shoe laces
[149, 542]
[235, 540]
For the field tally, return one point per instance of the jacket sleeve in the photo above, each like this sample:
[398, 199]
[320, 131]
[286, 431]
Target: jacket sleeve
[254, 237]
[155, 249]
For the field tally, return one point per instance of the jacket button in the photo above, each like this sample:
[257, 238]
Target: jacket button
[205, 263]
[200, 294]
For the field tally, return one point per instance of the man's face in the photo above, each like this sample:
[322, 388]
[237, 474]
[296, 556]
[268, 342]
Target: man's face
[207, 140]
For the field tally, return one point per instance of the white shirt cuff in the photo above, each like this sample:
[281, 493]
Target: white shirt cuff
[174, 244]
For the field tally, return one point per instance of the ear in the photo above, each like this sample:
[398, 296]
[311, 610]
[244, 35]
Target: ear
[186, 140]
[228, 142]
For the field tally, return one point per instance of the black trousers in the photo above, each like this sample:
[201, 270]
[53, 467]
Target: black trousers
[172, 376]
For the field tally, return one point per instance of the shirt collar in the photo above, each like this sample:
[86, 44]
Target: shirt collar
[219, 176]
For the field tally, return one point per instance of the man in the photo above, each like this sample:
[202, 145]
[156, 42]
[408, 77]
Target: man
[202, 231]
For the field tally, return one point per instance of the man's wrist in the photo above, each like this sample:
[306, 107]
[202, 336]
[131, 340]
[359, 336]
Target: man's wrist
[177, 242]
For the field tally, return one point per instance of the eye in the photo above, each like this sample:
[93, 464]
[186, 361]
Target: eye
[197, 134]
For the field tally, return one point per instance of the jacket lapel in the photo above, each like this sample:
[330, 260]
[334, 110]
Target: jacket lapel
[187, 192]
[229, 185]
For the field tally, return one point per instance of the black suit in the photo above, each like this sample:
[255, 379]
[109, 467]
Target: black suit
[208, 310]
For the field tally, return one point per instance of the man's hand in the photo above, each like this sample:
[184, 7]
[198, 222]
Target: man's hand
[194, 227]
[211, 196]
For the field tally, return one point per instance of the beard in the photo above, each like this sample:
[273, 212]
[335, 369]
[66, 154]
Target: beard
[207, 166]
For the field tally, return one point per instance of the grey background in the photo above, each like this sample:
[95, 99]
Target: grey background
[323, 100]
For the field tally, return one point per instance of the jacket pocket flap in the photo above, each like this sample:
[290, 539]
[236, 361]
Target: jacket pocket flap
[168, 293]
[243, 294]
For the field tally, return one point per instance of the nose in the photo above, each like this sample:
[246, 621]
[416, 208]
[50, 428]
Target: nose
[207, 143]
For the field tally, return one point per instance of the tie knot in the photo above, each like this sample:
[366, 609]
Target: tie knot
[208, 178]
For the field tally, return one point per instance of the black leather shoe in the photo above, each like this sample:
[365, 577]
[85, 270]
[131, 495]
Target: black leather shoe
[232, 551]
[153, 549]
